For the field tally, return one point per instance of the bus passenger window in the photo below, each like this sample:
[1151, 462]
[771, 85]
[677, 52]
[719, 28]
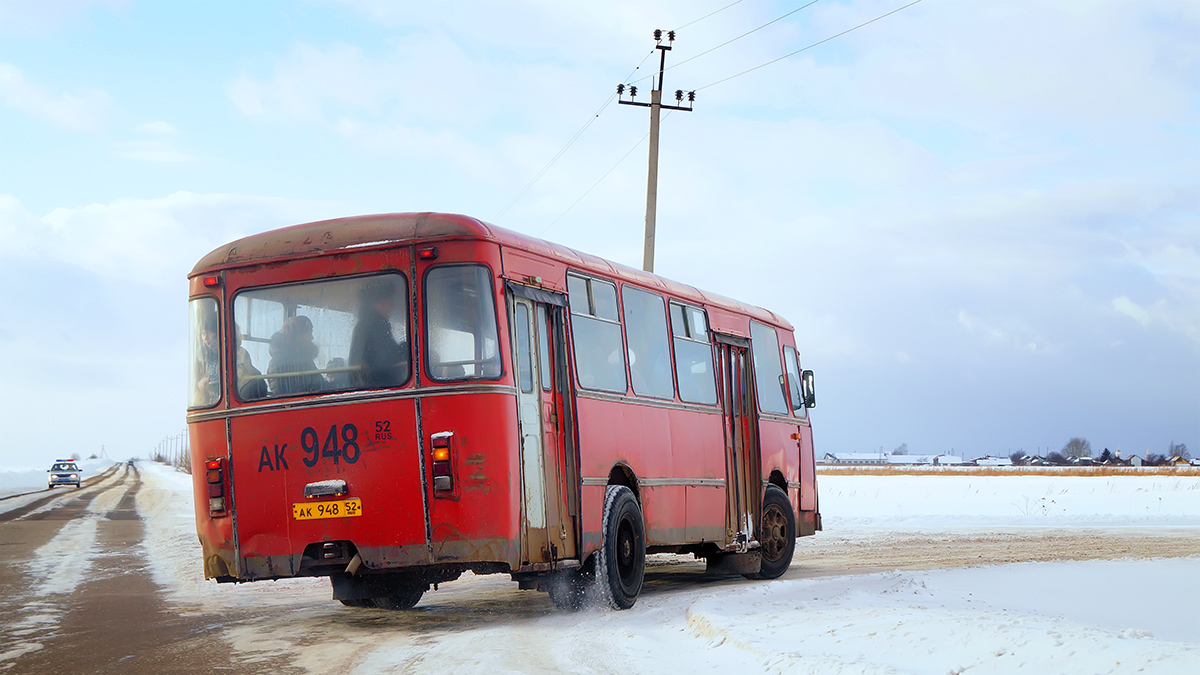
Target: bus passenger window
[205, 341]
[649, 351]
[768, 376]
[693, 355]
[599, 350]
[321, 336]
[381, 360]
[460, 324]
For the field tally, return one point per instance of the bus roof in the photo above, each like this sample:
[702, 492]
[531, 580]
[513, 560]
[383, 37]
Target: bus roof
[359, 233]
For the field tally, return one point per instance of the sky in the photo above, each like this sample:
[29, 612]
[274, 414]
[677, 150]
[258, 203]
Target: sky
[983, 219]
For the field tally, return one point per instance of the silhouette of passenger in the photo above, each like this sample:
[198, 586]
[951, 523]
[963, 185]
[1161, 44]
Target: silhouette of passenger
[381, 360]
[293, 351]
[339, 379]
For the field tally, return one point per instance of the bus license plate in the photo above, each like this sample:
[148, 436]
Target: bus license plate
[344, 508]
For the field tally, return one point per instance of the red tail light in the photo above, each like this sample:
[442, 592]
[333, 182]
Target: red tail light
[212, 282]
[214, 476]
[443, 472]
[428, 253]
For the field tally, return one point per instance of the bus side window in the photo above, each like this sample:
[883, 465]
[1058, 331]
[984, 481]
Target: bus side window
[649, 351]
[768, 375]
[599, 349]
[693, 355]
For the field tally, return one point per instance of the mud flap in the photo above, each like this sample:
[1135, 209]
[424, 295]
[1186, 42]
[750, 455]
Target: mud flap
[720, 564]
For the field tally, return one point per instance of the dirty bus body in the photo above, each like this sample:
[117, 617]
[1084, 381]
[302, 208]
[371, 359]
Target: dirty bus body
[392, 400]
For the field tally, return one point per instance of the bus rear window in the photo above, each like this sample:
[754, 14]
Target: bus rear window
[460, 323]
[308, 338]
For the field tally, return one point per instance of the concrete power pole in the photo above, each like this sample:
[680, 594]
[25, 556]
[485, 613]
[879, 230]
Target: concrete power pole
[656, 106]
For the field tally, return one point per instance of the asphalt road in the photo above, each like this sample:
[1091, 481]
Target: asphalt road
[111, 619]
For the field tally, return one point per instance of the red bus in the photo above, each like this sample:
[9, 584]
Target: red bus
[392, 400]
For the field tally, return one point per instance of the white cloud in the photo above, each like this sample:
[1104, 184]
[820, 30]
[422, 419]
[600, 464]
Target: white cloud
[84, 110]
[158, 128]
[147, 241]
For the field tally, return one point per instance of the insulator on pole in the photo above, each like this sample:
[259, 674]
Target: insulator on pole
[620, 89]
[658, 35]
[670, 36]
[632, 92]
[678, 94]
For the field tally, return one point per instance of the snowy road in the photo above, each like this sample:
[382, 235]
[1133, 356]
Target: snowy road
[94, 588]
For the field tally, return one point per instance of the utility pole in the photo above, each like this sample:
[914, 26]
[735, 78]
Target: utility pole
[656, 106]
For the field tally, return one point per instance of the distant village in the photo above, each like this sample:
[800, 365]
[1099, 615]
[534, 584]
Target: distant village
[1077, 452]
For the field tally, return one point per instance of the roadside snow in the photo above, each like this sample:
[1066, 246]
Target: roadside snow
[1099, 616]
[928, 502]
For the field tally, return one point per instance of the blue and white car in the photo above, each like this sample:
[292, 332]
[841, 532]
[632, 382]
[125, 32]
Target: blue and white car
[64, 472]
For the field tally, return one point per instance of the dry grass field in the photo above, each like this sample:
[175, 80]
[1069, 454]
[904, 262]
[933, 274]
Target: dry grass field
[909, 470]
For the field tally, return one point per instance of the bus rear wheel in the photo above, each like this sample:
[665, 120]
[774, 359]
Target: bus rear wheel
[622, 556]
[777, 537]
[403, 598]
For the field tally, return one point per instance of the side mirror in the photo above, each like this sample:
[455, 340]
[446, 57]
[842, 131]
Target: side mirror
[810, 389]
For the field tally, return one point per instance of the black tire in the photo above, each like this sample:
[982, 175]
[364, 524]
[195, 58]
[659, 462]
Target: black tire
[621, 560]
[404, 598]
[777, 536]
[357, 602]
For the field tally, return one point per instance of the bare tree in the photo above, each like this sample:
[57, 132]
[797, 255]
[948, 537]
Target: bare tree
[902, 449]
[1017, 458]
[1056, 458]
[1077, 447]
[1178, 449]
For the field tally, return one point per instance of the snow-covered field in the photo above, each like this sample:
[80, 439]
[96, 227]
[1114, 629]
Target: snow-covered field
[1063, 617]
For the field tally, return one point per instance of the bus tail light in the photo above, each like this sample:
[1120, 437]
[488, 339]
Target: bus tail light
[214, 477]
[427, 253]
[443, 473]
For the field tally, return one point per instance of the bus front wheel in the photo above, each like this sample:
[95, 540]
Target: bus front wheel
[777, 536]
[622, 556]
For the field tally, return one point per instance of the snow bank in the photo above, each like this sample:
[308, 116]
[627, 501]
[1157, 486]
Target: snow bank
[1008, 501]
[165, 503]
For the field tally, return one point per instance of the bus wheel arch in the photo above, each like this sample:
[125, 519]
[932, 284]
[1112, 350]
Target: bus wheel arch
[776, 478]
[622, 474]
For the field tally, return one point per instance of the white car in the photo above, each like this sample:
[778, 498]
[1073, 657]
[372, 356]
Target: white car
[64, 472]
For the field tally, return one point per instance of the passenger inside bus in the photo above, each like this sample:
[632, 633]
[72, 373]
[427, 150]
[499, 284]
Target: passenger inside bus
[293, 355]
[381, 361]
[336, 374]
[208, 362]
[251, 385]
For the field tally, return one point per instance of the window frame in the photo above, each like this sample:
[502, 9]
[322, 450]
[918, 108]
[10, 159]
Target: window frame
[422, 349]
[688, 336]
[802, 411]
[667, 336]
[221, 343]
[408, 321]
[758, 383]
[588, 280]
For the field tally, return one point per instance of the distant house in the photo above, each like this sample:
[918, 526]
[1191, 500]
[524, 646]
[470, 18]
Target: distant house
[1083, 461]
[1037, 460]
[1196, 461]
[1133, 460]
[1178, 461]
[945, 460]
[856, 458]
[911, 459]
[993, 461]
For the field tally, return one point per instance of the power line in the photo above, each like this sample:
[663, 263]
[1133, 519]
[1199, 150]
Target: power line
[708, 15]
[815, 44]
[600, 180]
[728, 42]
